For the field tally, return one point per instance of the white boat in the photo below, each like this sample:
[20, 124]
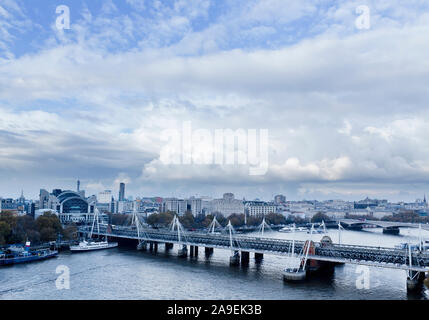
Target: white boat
[293, 229]
[93, 245]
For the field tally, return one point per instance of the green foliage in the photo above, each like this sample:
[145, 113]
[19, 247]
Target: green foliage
[319, 217]
[70, 232]
[161, 219]
[254, 221]
[406, 216]
[118, 219]
[275, 218]
[49, 226]
[5, 231]
[237, 220]
[18, 229]
[187, 220]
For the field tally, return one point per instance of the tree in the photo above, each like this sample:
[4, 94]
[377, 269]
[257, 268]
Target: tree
[319, 217]
[49, 226]
[160, 219]
[187, 220]
[237, 220]
[275, 218]
[117, 219]
[70, 232]
[5, 231]
[254, 221]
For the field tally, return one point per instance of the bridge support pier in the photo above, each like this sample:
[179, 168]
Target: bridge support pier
[191, 251]
[196, 251]
[234, 260]
[259, 257]
[208, 251]
[155, 246]
[415, 280]
[142, 246]
[245, 255]
[168, 246]
[183, 251]
[151, 246]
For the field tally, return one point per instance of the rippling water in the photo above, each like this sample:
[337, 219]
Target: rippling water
[124, 273]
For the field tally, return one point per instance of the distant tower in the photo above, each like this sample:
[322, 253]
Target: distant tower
[22, 198]
[121, 191]
[78, 186]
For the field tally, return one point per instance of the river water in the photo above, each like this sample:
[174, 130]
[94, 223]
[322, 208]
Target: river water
[124, 273]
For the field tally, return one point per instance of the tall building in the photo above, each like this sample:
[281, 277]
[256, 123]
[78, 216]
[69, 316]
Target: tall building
[78, 186]
[121, 191]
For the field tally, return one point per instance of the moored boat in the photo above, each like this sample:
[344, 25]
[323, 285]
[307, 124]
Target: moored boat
[16, 255]
[93, 245]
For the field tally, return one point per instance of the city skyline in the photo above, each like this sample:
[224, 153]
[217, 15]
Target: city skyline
[344, 103]
[116, 194]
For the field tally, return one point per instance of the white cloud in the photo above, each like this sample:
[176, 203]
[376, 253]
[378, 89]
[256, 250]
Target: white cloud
[340, 104]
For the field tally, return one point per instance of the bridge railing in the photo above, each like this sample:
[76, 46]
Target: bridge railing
[240, 242]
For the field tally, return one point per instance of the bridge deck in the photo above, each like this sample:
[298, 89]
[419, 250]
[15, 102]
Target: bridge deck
[364, 255]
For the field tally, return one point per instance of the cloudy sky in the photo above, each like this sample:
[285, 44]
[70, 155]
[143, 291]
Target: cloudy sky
[346, 108]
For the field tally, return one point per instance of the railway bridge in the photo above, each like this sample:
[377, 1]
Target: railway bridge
[320, 255]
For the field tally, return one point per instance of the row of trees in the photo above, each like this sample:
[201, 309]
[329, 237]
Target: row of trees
[18, 229]
[163, 219]
[401, 216]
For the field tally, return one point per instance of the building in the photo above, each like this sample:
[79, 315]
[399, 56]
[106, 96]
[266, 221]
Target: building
[121, 192]
[194, 205]
[174, 205]
[69, 205]
[104, 196]
[8, 204]
[125, 207]
[279, 199]
[227, 205]
[181, 206]
[259, 208]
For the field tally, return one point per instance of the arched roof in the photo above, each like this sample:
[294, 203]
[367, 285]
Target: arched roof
[66, 195]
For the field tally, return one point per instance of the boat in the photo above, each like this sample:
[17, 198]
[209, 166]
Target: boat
[293, 229]
[91, 245]
[16, 255]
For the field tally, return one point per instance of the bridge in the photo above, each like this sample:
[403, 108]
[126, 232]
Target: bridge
[389, 227]
[320, 255]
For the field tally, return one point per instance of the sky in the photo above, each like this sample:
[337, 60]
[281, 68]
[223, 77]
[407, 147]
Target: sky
[345, 106]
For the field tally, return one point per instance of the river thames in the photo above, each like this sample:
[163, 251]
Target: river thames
[124, 273]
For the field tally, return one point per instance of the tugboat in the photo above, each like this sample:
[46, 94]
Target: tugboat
[15, 255]
[91, 245]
